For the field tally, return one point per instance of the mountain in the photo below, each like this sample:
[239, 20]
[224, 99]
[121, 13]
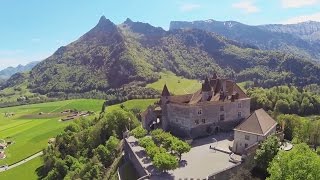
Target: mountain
[8, 72]
[309, 30]
[111, 57]
[293, 39]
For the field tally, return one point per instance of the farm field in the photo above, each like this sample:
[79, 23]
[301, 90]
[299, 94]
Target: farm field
[31, 135]
[25, 171]
[176, 84]
[30, 131]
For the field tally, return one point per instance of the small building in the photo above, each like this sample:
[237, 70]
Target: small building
[2, 155]
[3, 145]
[256, 128]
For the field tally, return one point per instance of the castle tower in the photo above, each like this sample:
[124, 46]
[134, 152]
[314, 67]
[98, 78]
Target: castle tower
[165, 95]
[206, 90]
[164, 100]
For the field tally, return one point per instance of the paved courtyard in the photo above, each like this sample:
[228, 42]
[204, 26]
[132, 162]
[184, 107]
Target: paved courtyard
[202, 161]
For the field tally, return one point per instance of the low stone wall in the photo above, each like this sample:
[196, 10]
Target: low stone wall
[131, 156]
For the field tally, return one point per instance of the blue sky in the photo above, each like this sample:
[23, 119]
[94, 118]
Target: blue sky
[32, 30]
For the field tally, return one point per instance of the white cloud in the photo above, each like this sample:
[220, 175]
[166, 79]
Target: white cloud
[303, 18]
[247, 6]
[298, 3]
[189, 7]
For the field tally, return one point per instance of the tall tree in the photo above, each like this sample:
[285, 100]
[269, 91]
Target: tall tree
[300, 163]
[266, 152]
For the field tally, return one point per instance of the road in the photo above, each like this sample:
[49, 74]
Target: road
[22, 161]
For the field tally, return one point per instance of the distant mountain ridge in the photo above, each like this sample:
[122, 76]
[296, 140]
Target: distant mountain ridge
[309, 30]
[9, 71]
[111, 56]
[300, 39]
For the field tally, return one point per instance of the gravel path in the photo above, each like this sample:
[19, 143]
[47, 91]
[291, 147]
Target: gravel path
[22, 161]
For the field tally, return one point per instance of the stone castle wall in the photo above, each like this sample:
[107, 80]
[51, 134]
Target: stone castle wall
[194, 120]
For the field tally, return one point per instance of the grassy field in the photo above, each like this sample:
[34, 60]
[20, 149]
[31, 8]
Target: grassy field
[25, 171]
[141, 104]
[31, 134]
[176, 84]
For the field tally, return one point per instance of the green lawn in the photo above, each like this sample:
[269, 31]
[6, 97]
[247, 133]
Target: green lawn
[141, 104]
[25, 171]
[31, 135]
[176, 84]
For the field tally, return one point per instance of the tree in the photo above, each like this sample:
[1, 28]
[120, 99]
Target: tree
[153, 150]
[165, 161]
[139, 132]
[266, 152]
[180, 147]
[145, 142]
[282, 106]
[300, 163]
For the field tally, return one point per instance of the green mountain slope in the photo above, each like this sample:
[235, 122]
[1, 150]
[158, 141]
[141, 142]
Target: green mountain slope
[111, 56]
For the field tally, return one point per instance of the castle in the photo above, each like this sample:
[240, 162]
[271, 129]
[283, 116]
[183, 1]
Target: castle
[219, 105]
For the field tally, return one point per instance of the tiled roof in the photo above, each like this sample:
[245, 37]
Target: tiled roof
[258, 122]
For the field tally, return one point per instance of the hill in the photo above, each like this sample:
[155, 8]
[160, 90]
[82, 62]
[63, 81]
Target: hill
[9, 71]
[299, 39]
[115, 59]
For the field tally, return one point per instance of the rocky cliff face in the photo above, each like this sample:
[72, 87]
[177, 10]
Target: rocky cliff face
[309, 30]
[289, 38]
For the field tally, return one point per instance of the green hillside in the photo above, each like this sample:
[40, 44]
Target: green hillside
[110, 58]
[176, 84]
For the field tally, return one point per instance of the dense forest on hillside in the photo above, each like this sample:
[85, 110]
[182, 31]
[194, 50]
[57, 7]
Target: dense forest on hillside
[285, 100]
[88, 148]
[110, 56]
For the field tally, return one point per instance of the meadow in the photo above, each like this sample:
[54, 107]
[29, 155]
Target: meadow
[177, 85]
[31, 135]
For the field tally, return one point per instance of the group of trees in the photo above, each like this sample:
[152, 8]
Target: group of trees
[87, 147]
[300, 129]
[300, 163]
[285, 100]
[164, 149]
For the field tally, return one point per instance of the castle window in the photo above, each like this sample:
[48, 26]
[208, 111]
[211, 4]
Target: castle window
[239, 105]
[246, 145]
[239, 114]
[221, 108]
[200, 111]
[221, 117]
[203, 121]
[247, 137]
[196, 122]
[177, 120]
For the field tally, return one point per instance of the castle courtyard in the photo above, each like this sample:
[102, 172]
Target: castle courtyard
[202, 161]
[199, 163]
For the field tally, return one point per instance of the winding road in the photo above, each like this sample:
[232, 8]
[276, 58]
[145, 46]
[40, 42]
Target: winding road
[21, 162]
